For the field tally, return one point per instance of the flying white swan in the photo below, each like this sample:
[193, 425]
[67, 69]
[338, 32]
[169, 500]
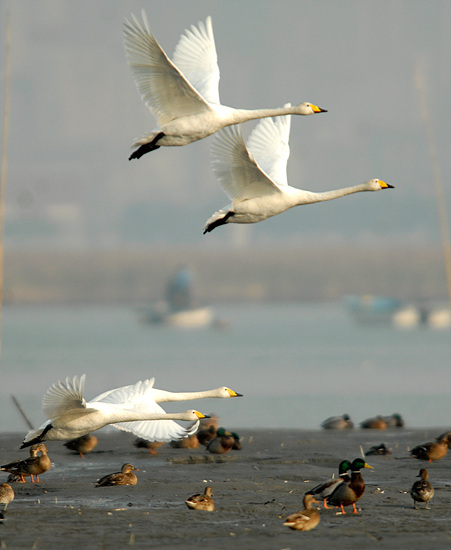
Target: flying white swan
[70, 416]
[183, 95]
[255, 177]
[144, 395]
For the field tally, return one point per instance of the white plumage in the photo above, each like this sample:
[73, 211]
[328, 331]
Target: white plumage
[183, 94]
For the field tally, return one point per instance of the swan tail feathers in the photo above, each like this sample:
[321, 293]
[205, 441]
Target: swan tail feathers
[221, 217]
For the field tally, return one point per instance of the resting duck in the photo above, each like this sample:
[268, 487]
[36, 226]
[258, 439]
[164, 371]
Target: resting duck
[376, 423]
[394, 421]
[190, 442]
[338, 423]
[350, 492]
[202, 502]
[32, 466]
[124, 477]
[323, 490]
[380, 450]
[206, 435]
[6, 494]
[236, 443]
[432, 451]
[307, 519]
[422, 490]
[222, 443]
[83, 445]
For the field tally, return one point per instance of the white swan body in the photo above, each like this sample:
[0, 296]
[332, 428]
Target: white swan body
[183, 95]
[143, 395]
[255, 177]
[70, 416]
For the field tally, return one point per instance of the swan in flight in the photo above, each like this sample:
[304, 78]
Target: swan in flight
[70, 416]
[255, 176]
[183, 94]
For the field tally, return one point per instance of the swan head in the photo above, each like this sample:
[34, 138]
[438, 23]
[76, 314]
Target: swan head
[195, 415]
[227, 392]
[307, 108]
[377, 185]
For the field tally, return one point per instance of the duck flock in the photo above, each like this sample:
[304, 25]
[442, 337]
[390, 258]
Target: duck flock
[183, 95]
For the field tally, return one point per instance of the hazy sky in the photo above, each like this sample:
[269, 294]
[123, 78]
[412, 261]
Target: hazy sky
[75, 112]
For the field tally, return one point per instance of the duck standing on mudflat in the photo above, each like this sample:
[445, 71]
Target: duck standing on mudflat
[323, 490]
[83, 445]
[124, 477]
[307, 519]
[203, 502]
[34, 465]
[152, 446]
[432, 451]
[6, 494]
[422, 490]
[350, 492]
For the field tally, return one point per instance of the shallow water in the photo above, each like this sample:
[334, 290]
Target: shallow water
[296, 364]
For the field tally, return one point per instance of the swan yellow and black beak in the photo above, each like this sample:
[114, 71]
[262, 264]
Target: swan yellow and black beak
[200, 415]
[233, 393]
[385, 185]
[317, 109]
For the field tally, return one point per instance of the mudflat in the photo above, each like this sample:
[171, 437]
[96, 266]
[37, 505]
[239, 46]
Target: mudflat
[254, 489]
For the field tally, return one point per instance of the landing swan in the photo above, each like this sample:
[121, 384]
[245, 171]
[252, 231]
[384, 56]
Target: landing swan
[183, 95]
[255, 177]
[144, 395]
[70, 416]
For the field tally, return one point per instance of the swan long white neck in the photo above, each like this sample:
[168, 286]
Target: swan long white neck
[243, 115]
[163, 396]
[310, 197]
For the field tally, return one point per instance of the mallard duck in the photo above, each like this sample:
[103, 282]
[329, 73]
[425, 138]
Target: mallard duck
[6, 494]
[376, 423]
[32, 466]
[338, 423]
[222, 443]
[124, 477]
[202, 502]
[422, 490]
[380, 449]
[204, 436]
[432, 451]
[152, 446]
[394, 421]
[236, 442]
[307, 519]
[190, 442]
[83, 445]
[323, 490]
[350, 492]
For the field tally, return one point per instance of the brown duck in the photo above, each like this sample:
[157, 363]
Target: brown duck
[203, 502]
[222, 443]
[307, 519]
[152, 446]
[6, 494]
[432, 451]
[83, 445]
[32, 466]
[422, 490]
[124, 477]
[190, 442]
[348, 493]
[375, 423]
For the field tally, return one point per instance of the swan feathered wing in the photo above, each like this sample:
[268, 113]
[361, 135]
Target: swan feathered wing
[129, 395]
[66, 396]
[269, 145]
[163, 88]
[158, 430]
[237, 171]
[196, 57]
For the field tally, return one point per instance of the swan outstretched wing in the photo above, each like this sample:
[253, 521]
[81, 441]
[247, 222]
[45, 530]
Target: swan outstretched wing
[157, 430]
[66, 396]
[129, 395]
[163, 88]
[195, 56]
[237, 171]
[269, 146]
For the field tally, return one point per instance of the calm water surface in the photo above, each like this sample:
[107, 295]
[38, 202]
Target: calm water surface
[296, 364]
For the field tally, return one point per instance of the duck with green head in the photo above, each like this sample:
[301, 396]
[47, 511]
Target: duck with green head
[323, 490]
[348, 493]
